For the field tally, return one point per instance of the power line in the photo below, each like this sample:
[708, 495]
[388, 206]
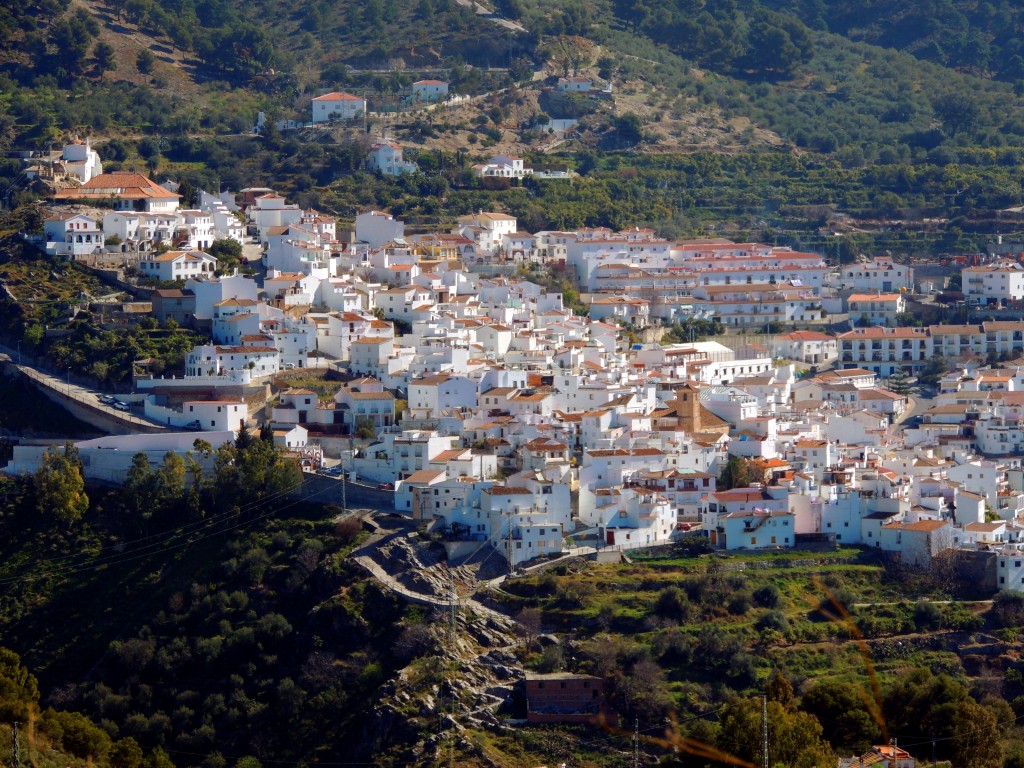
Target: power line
[194, 526]
[121, 558]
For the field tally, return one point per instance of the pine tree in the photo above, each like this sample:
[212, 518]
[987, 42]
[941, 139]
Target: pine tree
[898, 381]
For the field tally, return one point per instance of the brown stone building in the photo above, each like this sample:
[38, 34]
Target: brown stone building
[561, 697]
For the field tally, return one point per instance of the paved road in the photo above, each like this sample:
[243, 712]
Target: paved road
[479, 10]
[74, 391]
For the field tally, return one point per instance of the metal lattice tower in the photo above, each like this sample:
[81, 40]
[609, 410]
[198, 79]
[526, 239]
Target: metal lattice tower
[17, 747]
[764, 732]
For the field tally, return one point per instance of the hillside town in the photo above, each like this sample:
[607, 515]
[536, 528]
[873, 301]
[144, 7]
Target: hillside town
[494, 413]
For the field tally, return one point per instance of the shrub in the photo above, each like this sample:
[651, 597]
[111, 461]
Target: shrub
[775, 620]
[767, 596]
[1008, 608]
[740, 604]
[927, 615]
[673, 603]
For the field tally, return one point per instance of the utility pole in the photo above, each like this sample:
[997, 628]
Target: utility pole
[344, 482]
[17, 747]
[453, 636]
[764, 731]
[508, 545]
[636, 743]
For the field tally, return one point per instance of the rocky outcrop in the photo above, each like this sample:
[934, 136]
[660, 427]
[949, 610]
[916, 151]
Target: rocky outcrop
[468, 675]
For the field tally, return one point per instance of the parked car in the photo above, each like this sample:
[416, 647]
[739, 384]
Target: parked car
[118, 405]
[108, 399]
[194, 426]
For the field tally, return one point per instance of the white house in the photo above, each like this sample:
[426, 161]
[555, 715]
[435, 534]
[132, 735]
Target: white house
[216, 415]
[364, 401]
[430, 395]
[211, 360]
[878, 308]
[126, 190]
[178, 265]
[574, 85]
[337, 106]
[881, 274]
[73, 235]
[757, 529]
[811, 347]
[429, 90]
[81, 161]
[378, 227]
[386, 158]
[504, 167]
[917, 543]
[194, 230]
[293, 439]
[493, 226]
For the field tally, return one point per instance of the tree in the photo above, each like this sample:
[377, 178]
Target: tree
[106, 57]
[738, 473]
[767, 596]
[126, 753]
[843, 711]
[138, 487]
[629, 128]
[778, 688]
[976, 739]
[60, 487]
[958, 111]
[33, 335]
[145, 61]
[899, 381]
[19, 691]
[170, 480]
[228, 253]
[673, 603]
[528, 621]
[1008, 608]
[933, 370]
[795, 737]
[77, 733]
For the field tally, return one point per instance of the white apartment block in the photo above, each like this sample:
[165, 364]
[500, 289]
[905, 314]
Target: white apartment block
[883, 349]
[1003, 281]
[881, 275]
